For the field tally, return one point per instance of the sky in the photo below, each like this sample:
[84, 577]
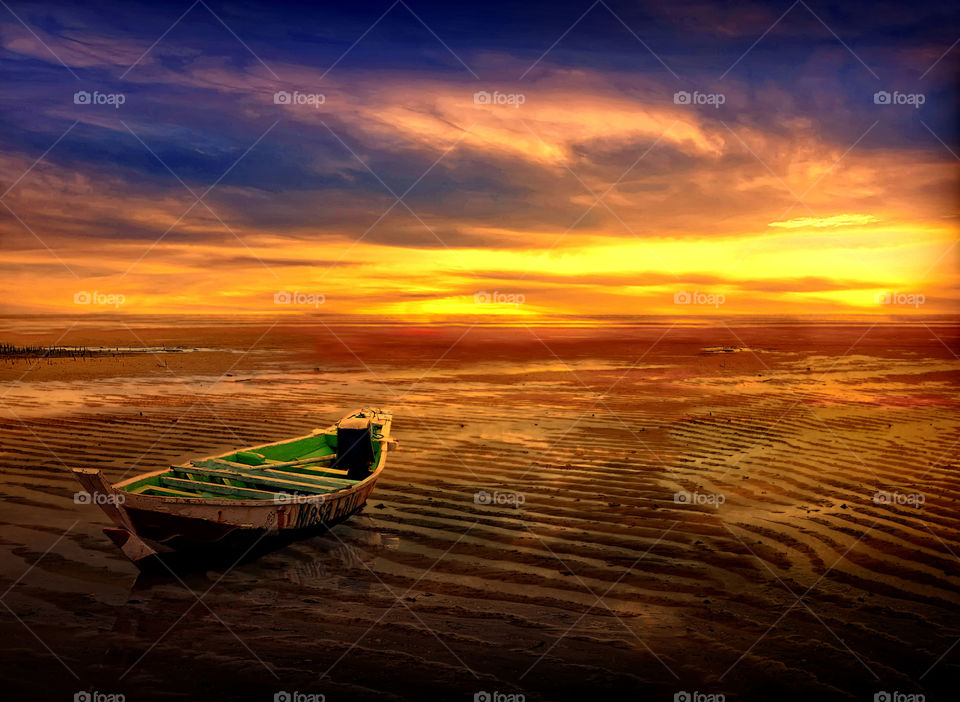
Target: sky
[510, 159]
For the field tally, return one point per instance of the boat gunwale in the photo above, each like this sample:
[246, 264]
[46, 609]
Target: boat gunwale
[135, 497]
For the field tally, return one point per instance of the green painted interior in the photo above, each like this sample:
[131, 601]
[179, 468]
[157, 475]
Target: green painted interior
[252, 473]
[309, 447]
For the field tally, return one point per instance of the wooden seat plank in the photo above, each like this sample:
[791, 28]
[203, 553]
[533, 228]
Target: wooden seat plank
[308, 468]
[309, 478]
[217, 489]
[166, 492]
[335, 480]
[263, 477]
[319, 472]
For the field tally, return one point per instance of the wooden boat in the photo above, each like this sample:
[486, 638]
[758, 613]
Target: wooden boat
[245, 502]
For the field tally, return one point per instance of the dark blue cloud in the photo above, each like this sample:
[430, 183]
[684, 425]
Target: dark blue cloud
[199, 127]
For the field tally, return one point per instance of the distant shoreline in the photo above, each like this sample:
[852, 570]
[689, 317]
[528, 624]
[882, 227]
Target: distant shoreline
[9, 351]
[26, 323]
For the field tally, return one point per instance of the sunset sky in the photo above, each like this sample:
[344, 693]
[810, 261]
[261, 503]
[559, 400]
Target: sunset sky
[589, 184]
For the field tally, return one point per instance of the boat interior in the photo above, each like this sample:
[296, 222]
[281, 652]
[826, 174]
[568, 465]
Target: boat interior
[304, 466]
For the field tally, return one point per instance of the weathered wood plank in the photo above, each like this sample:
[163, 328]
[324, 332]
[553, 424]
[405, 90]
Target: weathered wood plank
[262, 477]
[340, 482]
[329, 479]
[328, 458]
[310, 470]
[165, 491]
[318, 464]
[214, 488]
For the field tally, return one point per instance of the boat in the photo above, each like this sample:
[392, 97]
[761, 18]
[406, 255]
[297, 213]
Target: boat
[247, 501]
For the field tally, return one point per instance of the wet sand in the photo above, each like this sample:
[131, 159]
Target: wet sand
[656, 512]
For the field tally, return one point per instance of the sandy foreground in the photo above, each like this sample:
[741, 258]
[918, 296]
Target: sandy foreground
[775, 523]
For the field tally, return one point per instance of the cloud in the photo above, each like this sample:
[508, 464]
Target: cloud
[841, 220]
[658, 279]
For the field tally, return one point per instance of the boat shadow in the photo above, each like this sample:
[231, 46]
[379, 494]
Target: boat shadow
[202, 600]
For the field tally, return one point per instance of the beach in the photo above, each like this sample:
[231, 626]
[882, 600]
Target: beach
[760, 511]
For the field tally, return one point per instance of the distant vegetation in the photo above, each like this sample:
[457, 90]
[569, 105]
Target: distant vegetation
[12, 351]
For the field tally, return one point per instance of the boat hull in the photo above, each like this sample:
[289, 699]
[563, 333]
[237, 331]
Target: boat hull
[167, 532]
[179, 534]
